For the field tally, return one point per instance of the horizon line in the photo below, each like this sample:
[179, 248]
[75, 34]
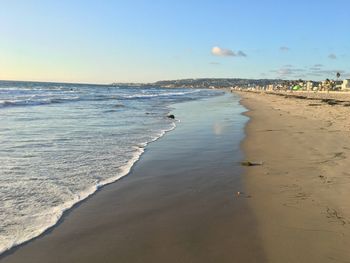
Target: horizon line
[116, 82]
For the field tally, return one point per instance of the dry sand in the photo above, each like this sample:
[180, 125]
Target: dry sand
[301, 193]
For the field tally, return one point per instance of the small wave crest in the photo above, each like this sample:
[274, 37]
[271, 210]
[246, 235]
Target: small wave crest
[35, 102]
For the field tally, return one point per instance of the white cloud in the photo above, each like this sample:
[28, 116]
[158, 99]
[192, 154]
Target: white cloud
[223, 52]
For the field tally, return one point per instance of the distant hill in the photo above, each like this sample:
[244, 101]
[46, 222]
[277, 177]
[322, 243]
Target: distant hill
[215, 82]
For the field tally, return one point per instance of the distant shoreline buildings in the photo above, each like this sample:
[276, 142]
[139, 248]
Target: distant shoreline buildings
[301, 85]
[251, 84]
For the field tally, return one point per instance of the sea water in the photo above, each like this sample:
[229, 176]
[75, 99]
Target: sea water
[60, 142]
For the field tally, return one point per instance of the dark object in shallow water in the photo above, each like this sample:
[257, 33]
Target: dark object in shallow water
[171, 116]
[239, 194]
[249, 163]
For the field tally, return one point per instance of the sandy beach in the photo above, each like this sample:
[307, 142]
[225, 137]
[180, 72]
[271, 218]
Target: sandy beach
[300, 195]
[179, 203]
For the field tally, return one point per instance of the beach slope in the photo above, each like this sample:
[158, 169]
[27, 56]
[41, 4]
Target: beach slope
[300, 195]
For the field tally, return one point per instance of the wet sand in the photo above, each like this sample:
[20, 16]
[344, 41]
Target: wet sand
[178, 204]
[301, 193]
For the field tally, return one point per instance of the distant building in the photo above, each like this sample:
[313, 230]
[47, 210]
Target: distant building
[270, 87]
[309, 85]
[346, 84]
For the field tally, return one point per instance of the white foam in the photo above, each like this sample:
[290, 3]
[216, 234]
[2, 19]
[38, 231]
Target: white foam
[56, 162]
[51, 217]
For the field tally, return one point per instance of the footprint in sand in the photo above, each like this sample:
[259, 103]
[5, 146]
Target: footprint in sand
[335, 157]
[302, 195]
[336, 217]
[325, 179]
[295, 200]
[289, 188]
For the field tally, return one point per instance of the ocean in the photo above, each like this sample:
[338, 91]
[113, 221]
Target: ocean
[59, 143]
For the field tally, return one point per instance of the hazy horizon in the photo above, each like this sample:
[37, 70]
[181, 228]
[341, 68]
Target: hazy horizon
[131, 82]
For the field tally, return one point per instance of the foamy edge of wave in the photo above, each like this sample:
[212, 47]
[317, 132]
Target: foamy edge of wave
[58, 212]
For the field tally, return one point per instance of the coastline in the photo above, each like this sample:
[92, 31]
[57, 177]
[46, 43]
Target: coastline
[84, 196]
[177, 204]
[300, 193]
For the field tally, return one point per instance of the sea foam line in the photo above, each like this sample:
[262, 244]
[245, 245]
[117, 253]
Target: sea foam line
[57, 212]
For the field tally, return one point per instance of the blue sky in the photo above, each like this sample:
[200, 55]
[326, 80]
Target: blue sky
[145, 41]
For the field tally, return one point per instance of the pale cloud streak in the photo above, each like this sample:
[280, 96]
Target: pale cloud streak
[288, 71]
[284, 48]
[317, 70]
[241, 54]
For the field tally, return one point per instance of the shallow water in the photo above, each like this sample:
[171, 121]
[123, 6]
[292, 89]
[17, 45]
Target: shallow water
[60, 142]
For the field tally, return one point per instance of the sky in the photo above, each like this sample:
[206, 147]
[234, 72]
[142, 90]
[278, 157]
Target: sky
[148, 40]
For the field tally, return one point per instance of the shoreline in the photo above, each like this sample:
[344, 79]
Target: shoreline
[158, 213]
[86, 194]
[300, 193]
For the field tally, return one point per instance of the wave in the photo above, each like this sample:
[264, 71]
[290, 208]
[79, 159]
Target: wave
[57, 212]
[36, 100]
[166, 94]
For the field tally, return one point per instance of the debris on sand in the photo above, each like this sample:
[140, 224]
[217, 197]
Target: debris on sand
[251, 163]
[242, 194]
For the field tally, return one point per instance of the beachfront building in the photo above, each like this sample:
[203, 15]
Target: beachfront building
[309, 85]
[327, 85]
[346, 84]
[270, 87]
